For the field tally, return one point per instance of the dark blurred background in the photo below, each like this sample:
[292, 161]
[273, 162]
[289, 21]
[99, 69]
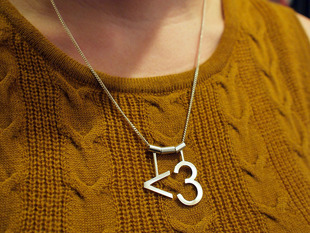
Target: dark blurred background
[301, 6]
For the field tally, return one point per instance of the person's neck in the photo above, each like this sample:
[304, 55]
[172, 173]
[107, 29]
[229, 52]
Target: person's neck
[131, 12]
[159, 36]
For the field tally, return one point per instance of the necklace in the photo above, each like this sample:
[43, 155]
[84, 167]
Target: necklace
[156, 149]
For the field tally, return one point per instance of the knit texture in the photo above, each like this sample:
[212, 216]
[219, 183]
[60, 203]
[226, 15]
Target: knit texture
[70, 163]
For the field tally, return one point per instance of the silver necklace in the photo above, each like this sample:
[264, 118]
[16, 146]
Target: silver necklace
[156, 149]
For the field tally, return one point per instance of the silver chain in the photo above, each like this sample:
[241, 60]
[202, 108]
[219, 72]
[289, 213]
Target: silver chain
[109, 94]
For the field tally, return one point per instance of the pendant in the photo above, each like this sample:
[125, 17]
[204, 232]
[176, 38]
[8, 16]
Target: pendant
[169, 150]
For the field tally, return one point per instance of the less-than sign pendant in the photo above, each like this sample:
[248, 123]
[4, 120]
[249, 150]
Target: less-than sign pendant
[171, 150]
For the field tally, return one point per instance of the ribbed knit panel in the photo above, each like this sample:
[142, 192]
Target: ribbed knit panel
[44, 194]
[131, 168]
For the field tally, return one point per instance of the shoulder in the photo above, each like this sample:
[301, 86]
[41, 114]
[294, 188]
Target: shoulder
[305, 22]
[278, 22]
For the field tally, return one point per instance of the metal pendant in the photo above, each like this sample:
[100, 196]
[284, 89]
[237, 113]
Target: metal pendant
[191, 180]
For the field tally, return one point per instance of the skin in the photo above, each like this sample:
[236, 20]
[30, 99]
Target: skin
[160, 37]
[305, 23]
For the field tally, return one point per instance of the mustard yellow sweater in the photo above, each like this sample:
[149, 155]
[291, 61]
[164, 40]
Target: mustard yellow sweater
[70, 163]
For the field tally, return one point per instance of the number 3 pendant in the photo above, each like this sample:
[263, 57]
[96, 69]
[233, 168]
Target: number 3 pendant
[191, 180]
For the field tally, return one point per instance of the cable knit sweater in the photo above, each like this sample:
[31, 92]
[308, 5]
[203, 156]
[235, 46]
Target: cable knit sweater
[70, 163]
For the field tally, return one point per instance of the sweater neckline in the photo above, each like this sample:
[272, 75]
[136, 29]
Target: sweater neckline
[76, 71]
